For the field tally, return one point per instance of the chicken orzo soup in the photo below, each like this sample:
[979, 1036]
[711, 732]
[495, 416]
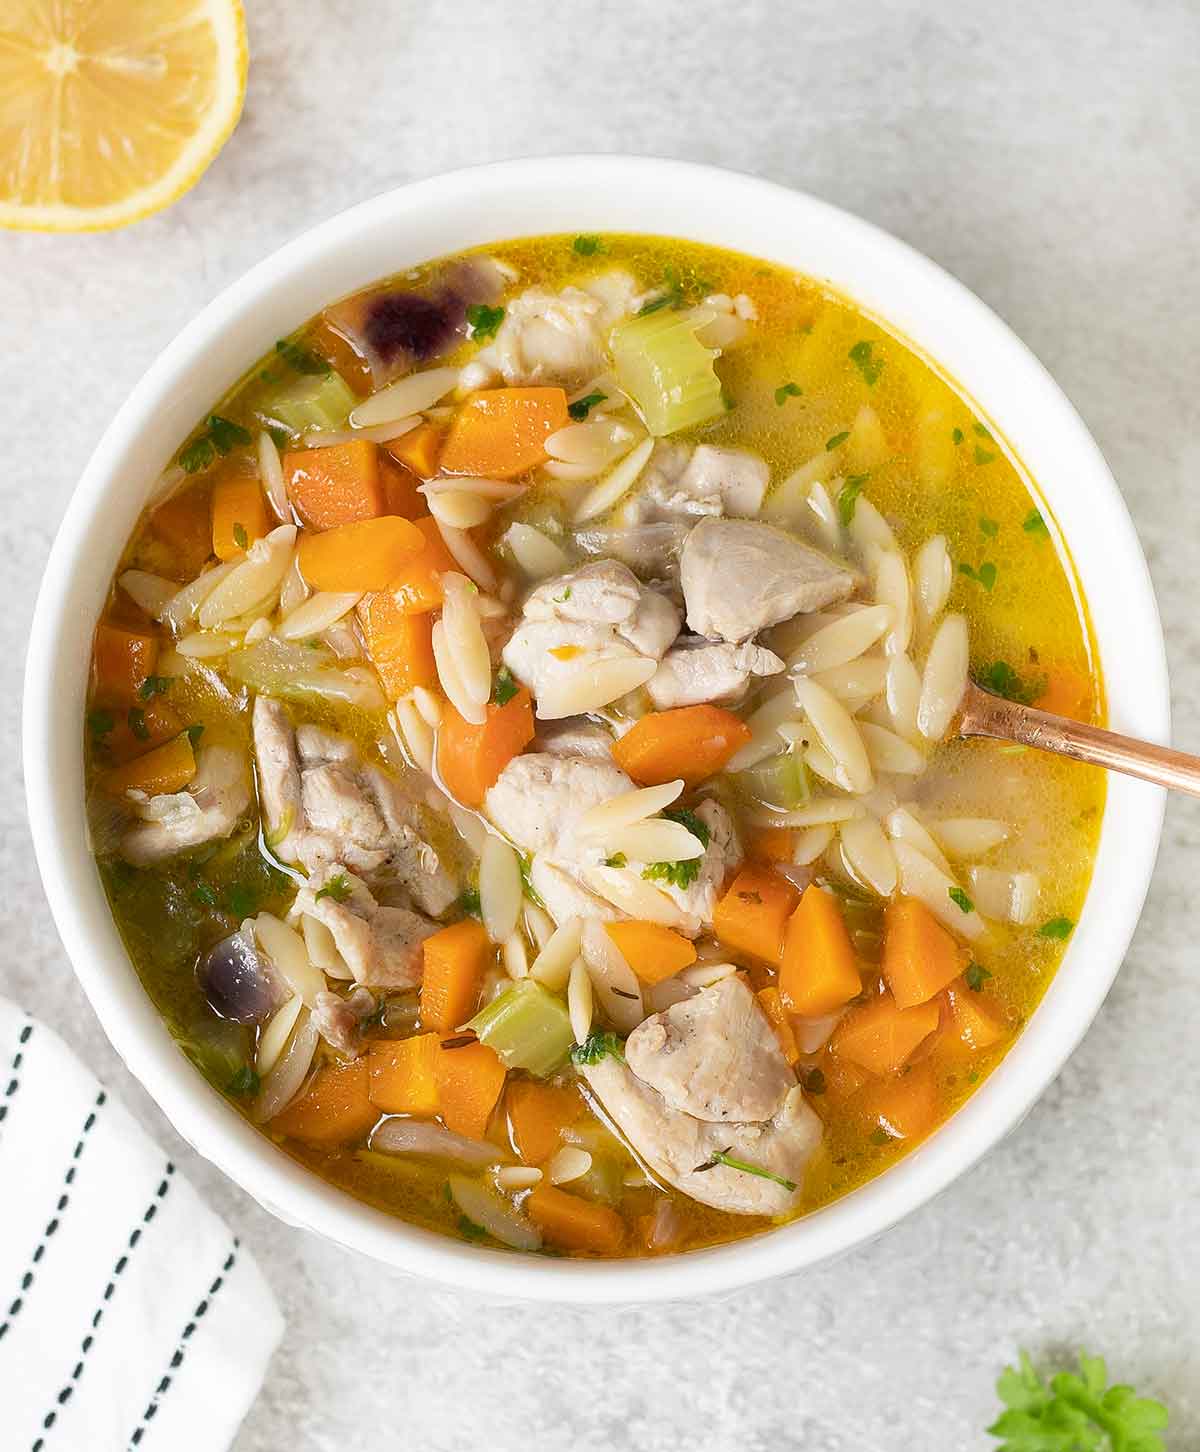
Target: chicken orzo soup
[520, 748]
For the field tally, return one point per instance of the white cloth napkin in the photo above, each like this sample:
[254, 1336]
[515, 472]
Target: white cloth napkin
[130, 1316]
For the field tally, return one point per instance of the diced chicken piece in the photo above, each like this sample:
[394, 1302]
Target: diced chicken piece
[339, 1020]
[539, 796]
[208, 809]
[740, 576]
[323, 805]
[695, 670]
[714, 1056]
[601, 609]
[574, 736]
[679, 1148]
[560, 337]
[723, 853]
[381, 945]
[680, 483]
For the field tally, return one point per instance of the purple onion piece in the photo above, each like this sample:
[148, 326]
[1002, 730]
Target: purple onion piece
[236, 981]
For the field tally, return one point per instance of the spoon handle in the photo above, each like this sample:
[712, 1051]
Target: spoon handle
[984, 714]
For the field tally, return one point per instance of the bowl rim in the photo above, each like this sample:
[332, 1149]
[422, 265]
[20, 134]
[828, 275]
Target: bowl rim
[909, 295]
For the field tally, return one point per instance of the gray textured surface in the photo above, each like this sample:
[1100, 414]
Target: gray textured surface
[1048, 155]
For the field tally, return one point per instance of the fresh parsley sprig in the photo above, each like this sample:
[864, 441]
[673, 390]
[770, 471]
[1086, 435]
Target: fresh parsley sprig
[1074, 1412]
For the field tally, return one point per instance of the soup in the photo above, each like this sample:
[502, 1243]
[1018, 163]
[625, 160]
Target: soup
[520, 749]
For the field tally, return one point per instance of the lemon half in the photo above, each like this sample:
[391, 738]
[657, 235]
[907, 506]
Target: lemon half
[112, 109]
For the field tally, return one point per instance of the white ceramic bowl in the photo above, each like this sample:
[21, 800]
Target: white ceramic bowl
[590, 194]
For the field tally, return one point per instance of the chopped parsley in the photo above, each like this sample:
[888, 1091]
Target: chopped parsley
[155, 686]
[786, 391]
[303, 360]
[197, 455]
[862, 355]
[1074, 1413]
[583, 406]
[505, 687]
[960, 900]
[1034, 523]
[219, 437]
[137, 723]
[599, 1044]
[984, 456]
[976, 975]
[670, 297]
[1057, 928]
[680, 874]
[989, 527]
[244, 1083]
[982, 430]
[564, 597]
[836, 441]
[847, 500]
[100, 723]
[879, 1136]
[527, 886]
[618, 859]
[723, 1157]
[985, 575]
[194, 732]
[241, 901]
[469, 1230]
[469, 903]
[204, 893]
[958, 436]
[587, 244]
[484, 321]
[338, 888]
[226, 434]
[240, 537]
[1004, 681]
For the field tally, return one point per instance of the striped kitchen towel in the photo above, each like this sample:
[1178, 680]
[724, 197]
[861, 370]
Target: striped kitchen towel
[130, 1316]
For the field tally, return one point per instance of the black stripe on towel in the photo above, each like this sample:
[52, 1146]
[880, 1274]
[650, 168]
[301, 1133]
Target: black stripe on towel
[13, 1083]
[118, 1269]
[185, 1337]
[64, 1199]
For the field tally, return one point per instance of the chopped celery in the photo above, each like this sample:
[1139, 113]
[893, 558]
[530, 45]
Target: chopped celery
[667, 371]
[527, 1026]
[781, 782]
[312, 401]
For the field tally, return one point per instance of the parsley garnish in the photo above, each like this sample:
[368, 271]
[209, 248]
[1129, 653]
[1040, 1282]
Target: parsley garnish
[847, 499]
[984, 456]
[470, 1230]
[618, 859]
[241, 901]
[1034, 523]
[1004, 681]
[985, 575]
[879, 1136]
[226, 434]
[583, 406]
[666, 301]
[982, 430]
[599, 1044]
[303, 360]
[862, 356]
[564, 597]
[976, 975]
[220, 436]
[137, 723]
[1060, 928]
[204, 893]
[194, 732]
[469, 902]
[527, 886]
[837, 441]
[155, 686]
[197, 455]
[484, 321]
[1074, 1413]
[244, 1082]
[786, 391]
[240, 537]
[505, 687]
[959, 898]
[100, 723]
[588, 244]
[723, 1157]
[680, 874]
[338, 888]
[958, 436]
[989, 527]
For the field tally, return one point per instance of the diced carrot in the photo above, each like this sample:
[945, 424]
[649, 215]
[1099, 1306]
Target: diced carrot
[692, 742]
[400, 494]
[904, 1106]
[772, 1006]
[470, 758]
[770, 844]
[366, 555]
[537, 1116]
[403, 1074]
[418, 586]
[818, 973]
[335, 1109]
[503, 431]
[338, 484]
[919, 955]
[239, 515]
[880, 1037]
[469, 1081]
[1068, 693]
[572, 1223]
[344, 358]
[752, 916]
[418, 450]
[168, 768]
[184, 524]
[122, 663]
[973, 1023]
[137, 731]
[455, 960]
[652, 951]
[842, 1078]
[400, 646]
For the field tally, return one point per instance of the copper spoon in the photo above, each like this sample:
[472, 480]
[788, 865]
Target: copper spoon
[985, 714]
